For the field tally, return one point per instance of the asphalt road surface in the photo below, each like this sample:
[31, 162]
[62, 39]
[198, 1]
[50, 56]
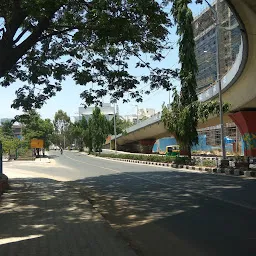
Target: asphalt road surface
[166, 211]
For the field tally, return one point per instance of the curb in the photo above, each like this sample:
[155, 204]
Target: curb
[226, 171]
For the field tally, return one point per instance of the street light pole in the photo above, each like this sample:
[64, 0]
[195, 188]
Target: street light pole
[115, 126]
[217, 35]
[137, 114]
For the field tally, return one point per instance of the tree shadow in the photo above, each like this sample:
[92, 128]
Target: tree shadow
[51, 156]
[46, 217]
[178, 213]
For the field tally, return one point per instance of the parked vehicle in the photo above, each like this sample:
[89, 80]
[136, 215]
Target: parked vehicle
[172, 150]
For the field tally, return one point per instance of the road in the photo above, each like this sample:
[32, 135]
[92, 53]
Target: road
[163, 211]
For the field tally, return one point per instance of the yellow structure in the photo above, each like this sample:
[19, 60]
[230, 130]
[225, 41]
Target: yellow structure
[36, 143]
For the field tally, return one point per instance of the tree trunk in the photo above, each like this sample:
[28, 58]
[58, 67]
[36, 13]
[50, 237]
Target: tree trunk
[185, 151]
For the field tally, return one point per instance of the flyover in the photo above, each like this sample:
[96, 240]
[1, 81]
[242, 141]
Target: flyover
[238, 89]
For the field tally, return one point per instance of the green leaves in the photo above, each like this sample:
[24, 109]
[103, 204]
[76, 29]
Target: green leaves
[121, 125]
[61, 121]
[42, 42]
[98, 129]
[7, 137]
[177, 118]
[6, 128]
[36, 128]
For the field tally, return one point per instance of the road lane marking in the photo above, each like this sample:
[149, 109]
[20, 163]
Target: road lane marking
[167, 185]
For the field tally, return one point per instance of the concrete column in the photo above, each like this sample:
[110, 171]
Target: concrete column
[246, 123]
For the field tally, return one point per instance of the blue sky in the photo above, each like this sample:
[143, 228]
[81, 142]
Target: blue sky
[69, 100]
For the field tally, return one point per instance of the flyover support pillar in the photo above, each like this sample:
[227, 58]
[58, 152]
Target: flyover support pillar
[246, 123]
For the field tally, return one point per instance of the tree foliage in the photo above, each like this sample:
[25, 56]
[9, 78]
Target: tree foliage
[77, 132]
[6, 128]
[121, 125]
[9, 142]
[176, 118]
[61, 121]
[36, 128]
[183, 112]
[181, 119]
[44, 41]
[98, 129]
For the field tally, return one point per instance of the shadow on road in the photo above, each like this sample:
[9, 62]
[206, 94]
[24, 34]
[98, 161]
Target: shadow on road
[51, 156]
[174, 213]
[45, 217]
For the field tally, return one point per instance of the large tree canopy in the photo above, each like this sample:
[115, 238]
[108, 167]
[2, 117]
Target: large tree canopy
[44, 41]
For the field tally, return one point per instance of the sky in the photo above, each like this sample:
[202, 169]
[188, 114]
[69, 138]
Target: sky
[69, 98]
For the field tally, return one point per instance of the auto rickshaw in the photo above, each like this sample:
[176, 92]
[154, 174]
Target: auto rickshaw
[172, 150]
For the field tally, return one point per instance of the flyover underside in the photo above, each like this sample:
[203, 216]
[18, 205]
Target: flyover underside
[154, 131]
[241, 95]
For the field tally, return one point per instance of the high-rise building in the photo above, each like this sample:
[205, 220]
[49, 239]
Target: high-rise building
[106, 109]
[143, 113]
[205, 40]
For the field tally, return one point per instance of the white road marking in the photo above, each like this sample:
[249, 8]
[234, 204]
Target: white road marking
[164, 184]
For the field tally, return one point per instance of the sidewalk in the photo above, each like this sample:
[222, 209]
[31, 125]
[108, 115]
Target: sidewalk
[50, 218]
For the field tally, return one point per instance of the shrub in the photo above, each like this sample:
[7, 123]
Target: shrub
[206, 162]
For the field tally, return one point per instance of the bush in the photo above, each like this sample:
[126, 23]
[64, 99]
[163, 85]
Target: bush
[206, 162]
[163, 159]
[150, 158]
[183, 160]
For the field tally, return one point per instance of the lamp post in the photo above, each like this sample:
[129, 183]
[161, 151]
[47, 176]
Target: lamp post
[137, 113]
[217, 36]
[115, 126]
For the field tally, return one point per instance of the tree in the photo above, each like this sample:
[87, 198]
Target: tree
[36, 128]
[44, 41]
[88, 136]
[121, 125]
[176, 118]
[6, 129]
[98, 129]
[182, 106]
[61, 123]
[78, 132]
[181, 119]
[9, 142]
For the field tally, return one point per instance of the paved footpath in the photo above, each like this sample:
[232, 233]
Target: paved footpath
[50, 218]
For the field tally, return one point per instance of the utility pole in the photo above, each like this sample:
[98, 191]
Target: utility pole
[137, 114]
[217, 36]
[115, 126]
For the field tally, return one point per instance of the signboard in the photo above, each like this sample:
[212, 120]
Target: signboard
[36, 143]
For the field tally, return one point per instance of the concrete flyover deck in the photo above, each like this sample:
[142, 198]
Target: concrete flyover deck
[240, 90]
[238, 85]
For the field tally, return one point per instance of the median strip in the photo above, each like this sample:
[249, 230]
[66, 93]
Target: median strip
[176, 162]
